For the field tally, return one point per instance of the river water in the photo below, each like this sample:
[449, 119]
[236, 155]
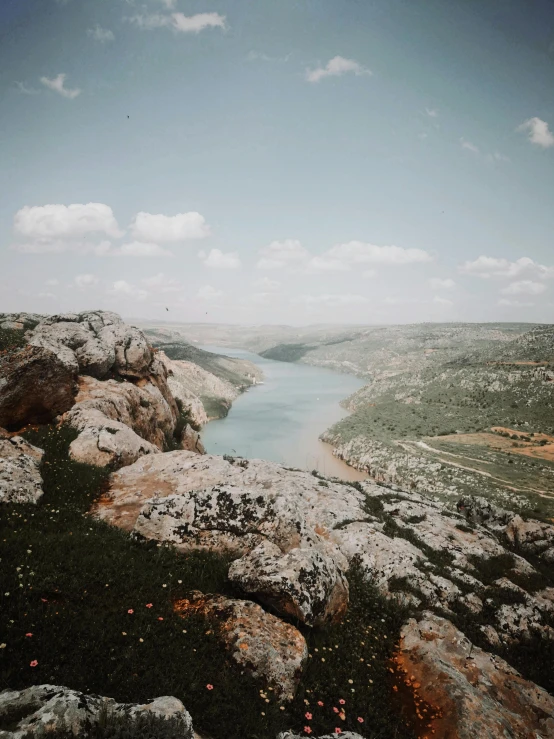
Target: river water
[282, 419]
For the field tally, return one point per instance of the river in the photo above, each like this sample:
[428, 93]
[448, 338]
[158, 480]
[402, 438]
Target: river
[281, 419]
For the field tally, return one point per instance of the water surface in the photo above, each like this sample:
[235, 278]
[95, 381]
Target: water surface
[282, 419]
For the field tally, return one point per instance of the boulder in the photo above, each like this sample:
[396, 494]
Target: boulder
[480, 695]
[342, 735]
[35, 387]
[179, 381]
[273, 651]
[302, 583]
[96, 343]
[191, 441]
[20, 477]
[41, 709]
[225, 518]
[533, 537]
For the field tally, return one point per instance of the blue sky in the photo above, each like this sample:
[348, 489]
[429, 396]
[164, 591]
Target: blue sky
[287, 162]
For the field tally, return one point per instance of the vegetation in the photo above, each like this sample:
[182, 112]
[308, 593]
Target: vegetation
[11, 339]
[74, 594]
[286, 352]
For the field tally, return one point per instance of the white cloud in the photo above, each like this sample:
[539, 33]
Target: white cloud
[432, 112]
[179, 22]
[266, 284]
[86, 280]
[55, 228]
[26, 90]
[442, 284]
[141, 249]
[538, 132]
[57, 84]
[123, 288]
[161, 284]
[330, 300]
[515, 303]
[486, 267]
[280, 254]
[254, 56]
[102, 35]
[325, 264]
[442, 301]
[336, 67]
[183, 226]
[52, 282]
[216, 259]
[369, 273]
[358, 252]
[469, 146]
[169, 4]
[498, 157]
[198, 22]
[524, 287]
[209, 293]
[49, 296]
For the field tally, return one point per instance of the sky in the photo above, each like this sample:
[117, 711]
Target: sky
[298, 162]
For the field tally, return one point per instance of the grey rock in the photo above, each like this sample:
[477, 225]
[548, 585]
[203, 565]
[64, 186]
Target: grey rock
[302, 582]
[20, 477]
[480, 695]
[35, 387]
[46, 708]
[270, 649]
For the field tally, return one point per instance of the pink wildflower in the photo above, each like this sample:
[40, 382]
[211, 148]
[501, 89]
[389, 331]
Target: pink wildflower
[130, 610]
[34, 663]
[360, 720]
[307, 730]
[335, 709]
[342, 701]
[29, 634]
[308, 716]
[149, 605]
[209, 686]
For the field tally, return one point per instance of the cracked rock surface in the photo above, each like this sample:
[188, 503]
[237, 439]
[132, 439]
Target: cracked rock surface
[41, 709]
[20, 476]
[273, 651]
[479, 693]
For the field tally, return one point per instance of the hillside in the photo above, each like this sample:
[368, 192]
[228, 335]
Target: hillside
[149, 589]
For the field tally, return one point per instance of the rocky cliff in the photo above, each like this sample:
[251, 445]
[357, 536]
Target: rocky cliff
[305, 605]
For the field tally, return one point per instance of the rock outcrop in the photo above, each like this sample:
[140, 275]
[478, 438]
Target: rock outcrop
[273, 651]
[532, 537]
[118, 422]
[480, 694]
[96, 343]
[179, 381]
[406, 542]
[20, 477]
[35, 387]
[41, 709]
[302, 583]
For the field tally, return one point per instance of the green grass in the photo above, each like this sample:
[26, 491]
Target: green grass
[11, 339]
[70, 581]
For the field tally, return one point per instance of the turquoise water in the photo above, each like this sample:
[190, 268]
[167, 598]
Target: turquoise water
[282, 419]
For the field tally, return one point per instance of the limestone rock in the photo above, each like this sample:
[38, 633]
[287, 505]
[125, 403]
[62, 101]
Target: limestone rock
[42, 709]
[178, 379]
[273, 651]
[535, 537]
[20, 477]
[118, 422]
[342, 735]
[35, 387]
[480, 695]
[302, 583]
[95, 343]
[191, 441]
[220, 518]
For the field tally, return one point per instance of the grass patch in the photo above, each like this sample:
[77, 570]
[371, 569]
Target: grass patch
[11, 339]
[492, 568]
[70, 581]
